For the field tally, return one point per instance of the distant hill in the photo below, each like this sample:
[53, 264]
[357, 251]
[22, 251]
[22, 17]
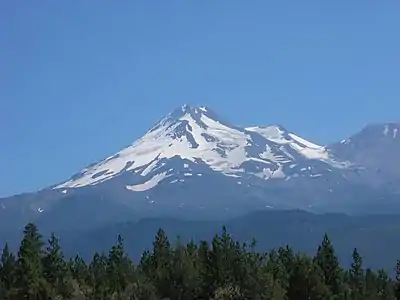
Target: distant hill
[377, 237]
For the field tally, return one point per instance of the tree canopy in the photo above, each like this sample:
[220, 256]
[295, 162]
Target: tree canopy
[220, 269]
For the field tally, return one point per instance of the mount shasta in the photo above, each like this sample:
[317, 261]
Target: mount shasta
[192, 163]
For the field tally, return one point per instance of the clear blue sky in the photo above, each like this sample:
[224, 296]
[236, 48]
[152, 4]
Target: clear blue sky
[81, 79]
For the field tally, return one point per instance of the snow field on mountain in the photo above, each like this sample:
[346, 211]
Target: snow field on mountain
[223, 148]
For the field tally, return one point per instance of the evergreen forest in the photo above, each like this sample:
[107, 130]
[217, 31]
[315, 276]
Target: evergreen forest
[220, 269]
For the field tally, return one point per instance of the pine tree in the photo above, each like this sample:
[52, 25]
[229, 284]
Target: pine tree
[306, 280]
[224, 257]
[118, 269]
[371, 285]
[286, 257]
[161, 259]
[184, 272]
[357, 276]
[8, 274]
[79, 269]
[56, 271]
[329, 264]
[255, 282]
[98, 277]
[231, 262]
[384, 286]
[80, 275]
[208, 283]
[225, 270]
[275, 267]
[31, 282]
[142, 288]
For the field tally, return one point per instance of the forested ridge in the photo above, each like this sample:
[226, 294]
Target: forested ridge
[220, 269]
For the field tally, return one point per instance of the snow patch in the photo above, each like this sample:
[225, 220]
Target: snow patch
[315, 175]
[268, 173]
[272, 133]
[148, 184]
[305, 142]
[345, 142]
[305, 148]
[386, 130]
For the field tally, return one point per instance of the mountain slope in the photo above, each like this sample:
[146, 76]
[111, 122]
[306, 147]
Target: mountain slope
[304, 231]
[377, 148]
[194, 164]
[197, 135]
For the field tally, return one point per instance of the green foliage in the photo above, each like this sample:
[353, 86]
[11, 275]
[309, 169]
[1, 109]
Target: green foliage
[328, 262]
[8, 274]
[222, 269]
[118, 269]
[31, 282]
[98, 279]
[357, 279]
[56, 270]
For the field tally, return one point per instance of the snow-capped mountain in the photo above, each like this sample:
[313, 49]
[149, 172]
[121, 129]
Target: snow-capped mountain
[197, 135]
[193, 163]
[377, 148]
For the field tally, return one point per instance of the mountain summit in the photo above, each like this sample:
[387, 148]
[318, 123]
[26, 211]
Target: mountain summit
[197, 136]
[192, 163]
[376, 147]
